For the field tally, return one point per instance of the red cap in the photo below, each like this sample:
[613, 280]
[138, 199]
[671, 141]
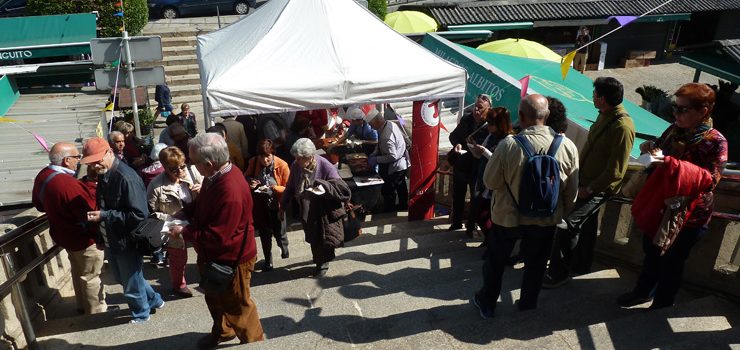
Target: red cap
[94, 150]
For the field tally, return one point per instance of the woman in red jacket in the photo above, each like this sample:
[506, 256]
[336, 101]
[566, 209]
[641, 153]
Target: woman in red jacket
[692, 139]
[267, 176]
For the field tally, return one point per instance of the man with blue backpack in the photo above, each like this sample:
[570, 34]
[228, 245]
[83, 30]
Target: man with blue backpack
[534, 176]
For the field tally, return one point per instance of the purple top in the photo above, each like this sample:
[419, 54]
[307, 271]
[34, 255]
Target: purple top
[324, 171]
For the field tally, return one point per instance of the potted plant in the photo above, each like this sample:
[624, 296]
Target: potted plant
[146, 119]
[650, 94]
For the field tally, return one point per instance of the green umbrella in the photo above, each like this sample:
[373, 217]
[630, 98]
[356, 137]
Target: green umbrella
[406, 22]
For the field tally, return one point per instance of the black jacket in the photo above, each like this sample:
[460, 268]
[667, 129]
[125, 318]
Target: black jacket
[326, 212]
[122, 200]
[466, 162]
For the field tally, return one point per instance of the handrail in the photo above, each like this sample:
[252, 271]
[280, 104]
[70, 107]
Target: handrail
[716, 214]
[8, 243]
[19, 275]
[33, 227]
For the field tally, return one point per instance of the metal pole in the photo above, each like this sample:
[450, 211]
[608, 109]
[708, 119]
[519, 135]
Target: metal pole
[21, 310]
[218, 16]
[130, 71]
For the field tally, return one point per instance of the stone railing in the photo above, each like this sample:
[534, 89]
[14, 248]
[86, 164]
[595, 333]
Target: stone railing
[40, 287]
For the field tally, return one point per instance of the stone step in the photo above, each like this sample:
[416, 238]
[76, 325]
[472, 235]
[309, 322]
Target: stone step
[338, 316]
[697, 321]
[182, 70]
[179, 90]
[178, 50]
[181, 60]
[187, 79]
[178, 41]
[178, 32]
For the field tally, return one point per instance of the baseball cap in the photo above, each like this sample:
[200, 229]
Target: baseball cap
[355, 113]
[94, 150]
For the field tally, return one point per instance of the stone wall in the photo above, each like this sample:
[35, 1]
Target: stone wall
[40, 288]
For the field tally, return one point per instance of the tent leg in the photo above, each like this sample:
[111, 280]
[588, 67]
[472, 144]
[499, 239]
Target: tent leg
[697, 74]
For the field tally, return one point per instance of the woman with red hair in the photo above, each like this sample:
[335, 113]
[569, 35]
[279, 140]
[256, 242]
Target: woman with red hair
[691, 139]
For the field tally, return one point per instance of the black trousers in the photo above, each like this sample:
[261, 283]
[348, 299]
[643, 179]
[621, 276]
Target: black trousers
[661, 275]
[322, 254]
[462, 182]
[573, 251]
[535, 248]
[394, 184]
[274, 228]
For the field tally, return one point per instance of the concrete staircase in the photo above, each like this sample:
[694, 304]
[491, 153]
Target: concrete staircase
[406, 285]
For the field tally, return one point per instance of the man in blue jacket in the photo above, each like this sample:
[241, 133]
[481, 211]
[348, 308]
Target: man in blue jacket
[121, 198]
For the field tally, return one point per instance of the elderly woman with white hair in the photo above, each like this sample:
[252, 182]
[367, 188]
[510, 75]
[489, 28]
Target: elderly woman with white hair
[315, 184]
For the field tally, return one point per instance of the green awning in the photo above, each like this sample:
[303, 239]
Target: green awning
[665, 18]
[492, 26]
[715, 63]
[46, 36]
[498, 75]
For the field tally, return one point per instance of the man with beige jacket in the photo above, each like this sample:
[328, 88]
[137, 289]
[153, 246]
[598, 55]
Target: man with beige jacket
[503, 175]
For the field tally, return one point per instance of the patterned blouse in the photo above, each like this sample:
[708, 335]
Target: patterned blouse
[708, 151]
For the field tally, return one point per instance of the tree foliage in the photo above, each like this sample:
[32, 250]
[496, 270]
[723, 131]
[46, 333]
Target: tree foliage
[136, 13]
[378, 7]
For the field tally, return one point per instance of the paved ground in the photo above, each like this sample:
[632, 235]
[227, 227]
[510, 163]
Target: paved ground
[404, 285]
[666, 76]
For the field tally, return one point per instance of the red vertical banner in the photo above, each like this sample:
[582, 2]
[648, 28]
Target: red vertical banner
[424, 156]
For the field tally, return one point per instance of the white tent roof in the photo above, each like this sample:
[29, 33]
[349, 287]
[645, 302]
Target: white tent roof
[292, 55]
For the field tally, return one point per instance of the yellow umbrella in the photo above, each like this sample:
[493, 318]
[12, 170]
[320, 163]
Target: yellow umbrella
[521, 48]
[406, 22]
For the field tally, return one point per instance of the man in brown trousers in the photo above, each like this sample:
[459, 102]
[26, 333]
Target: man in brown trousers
[221, 227]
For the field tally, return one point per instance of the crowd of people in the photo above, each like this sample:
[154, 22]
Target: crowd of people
[531, 184]
[219, 189]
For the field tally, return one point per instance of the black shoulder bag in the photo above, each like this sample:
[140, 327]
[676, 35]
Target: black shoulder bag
[217, 278]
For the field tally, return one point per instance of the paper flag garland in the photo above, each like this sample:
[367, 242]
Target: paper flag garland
[623, 20]
[41, 141]
[566, 62]
[119, 4]
[118, 14]
[525, 85]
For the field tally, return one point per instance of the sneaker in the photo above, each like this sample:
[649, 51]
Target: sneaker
[155, 308]
[631, 299]
[551, 283]
[139, 320]
[484, 312]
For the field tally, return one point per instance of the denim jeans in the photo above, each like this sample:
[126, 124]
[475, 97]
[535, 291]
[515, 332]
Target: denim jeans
[127, 267]
[535, 248]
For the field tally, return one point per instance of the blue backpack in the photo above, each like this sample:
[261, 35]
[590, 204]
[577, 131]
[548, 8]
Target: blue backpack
[539, 189]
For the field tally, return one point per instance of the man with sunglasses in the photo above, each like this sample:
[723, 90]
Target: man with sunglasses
[465, 165]
[121, 197]
[66, 201]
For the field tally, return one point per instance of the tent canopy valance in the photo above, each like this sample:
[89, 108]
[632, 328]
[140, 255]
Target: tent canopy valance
[292, 55]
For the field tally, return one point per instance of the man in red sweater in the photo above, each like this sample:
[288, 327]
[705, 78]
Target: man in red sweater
[220, 228]
[66, 202]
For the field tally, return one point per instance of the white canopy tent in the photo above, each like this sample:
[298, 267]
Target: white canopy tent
[292, 55]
